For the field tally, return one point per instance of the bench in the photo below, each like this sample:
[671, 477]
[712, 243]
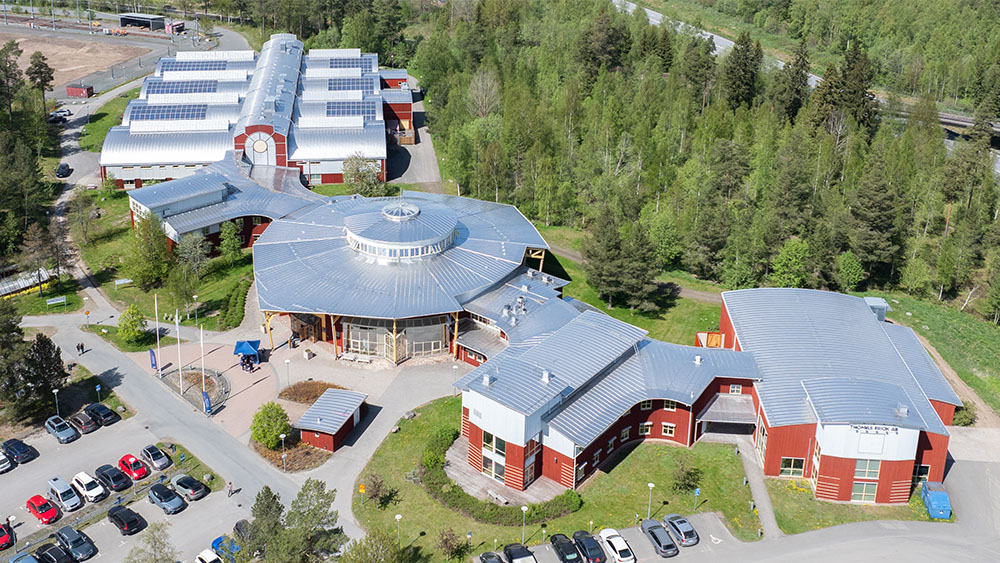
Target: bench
[349, 357]
[55, 301]
[362, 359]
[497, 497]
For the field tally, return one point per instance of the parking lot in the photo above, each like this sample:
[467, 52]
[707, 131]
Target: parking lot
[192, 529]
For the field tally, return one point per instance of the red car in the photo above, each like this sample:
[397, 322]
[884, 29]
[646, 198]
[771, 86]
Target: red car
[7, 536]
[132, 467]
[44, 510]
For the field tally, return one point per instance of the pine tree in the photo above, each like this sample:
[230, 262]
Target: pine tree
[11, 77]
[230, 245]
[602, 252]
[35, 252]
[855, 97]
[742, 71]
[874, 235]
[791, 87]
[993, 293]
[146, 262]
[40, 74]
[638, 285]
[45, 369]
[665, 46]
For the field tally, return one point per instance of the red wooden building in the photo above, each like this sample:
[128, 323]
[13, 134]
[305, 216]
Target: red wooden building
[330, 420]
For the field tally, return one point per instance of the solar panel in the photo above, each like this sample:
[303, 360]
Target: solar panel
[183, 87]
[364, 64]
[193, 65]
[366, 109]
[166, 112]
[365, 84]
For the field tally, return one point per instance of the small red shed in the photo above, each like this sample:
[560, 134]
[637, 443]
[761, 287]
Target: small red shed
[331, 418]
[79, 91]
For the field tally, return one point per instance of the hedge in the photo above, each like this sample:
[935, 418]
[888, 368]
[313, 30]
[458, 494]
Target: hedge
[232, 310]
[440, 486]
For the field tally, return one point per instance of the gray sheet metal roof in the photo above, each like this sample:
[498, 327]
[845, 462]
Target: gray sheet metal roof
[928, 376]
[164, 194]
[881, 404]
[393, 96]
[659, 370]
[271, 95]
[800, 334]
[480, 339]
[517, 376]
[393, 73]
[331, 411]
[527, 283]
[729, 408]
[310, 144]
[179, 147]
[303, 262]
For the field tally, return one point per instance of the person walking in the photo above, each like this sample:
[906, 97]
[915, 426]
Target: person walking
[230, 492]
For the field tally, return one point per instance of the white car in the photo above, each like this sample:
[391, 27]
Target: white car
[88, 487]
[207, 556]
[62, 112]
[616, 546]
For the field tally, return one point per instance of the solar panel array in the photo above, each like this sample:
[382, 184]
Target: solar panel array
[365, 109]
[365, 84]
[183, 87]
[364, 64]
[193, 65]
[167, 112]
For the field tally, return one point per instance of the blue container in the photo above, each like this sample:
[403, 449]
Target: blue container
[936, 500]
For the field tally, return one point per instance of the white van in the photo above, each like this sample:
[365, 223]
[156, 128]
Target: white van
[62, 494]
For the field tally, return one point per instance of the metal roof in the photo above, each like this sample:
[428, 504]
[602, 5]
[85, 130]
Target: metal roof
[800, 334]
[393, 73]
[272, 91]
[122, 148]
[331, 411]
[733, 408]
[885, 403]
[161, 195]
[659, 370]
[310, 144]
[394, 96]
[480, 339]
[141, 16]
[928, 376]
[303, 263]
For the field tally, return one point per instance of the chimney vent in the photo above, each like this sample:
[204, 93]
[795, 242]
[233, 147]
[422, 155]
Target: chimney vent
[697, 360]
[545, 376]
[902, 410]
[486, 379]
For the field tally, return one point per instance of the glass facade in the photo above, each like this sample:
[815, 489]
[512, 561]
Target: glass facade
[413, 337]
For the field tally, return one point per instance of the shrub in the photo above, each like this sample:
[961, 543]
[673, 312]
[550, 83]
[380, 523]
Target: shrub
[269, 423]
[439, 485]
[686, 479]
[232, 311]
[965, 415]
[132, 325]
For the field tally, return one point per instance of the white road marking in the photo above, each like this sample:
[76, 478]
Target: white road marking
[715, 540]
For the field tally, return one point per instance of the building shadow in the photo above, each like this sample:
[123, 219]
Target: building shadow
[398, 162]
[371, 412]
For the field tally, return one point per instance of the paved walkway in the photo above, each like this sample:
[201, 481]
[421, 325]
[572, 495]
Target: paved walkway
[755, 478]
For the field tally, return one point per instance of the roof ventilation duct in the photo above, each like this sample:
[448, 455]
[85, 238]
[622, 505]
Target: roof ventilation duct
[486, 380]
[697, 360]
[513, 321]
[506, 311]
[524, 287]
[530, 273]
[902, 410]
[546, 279]
[546, 376]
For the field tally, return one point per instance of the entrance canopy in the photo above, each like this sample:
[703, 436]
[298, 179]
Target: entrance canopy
[735, 409]
[247, 348]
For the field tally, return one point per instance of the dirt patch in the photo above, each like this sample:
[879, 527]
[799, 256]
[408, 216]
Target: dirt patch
[301, 457]
[72, 59]
[306, 392]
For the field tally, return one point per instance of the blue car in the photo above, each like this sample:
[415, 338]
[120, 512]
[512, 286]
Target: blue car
[226, 548]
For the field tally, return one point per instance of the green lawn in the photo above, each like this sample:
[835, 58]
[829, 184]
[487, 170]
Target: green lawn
[566, 237]
[192, 466]
[332, 189]
[110, 333]
[797, 511]
[676, 323]
[109, 243]
[83, 379]
[610, 499]
[106, 117]
[34, 304]
[689, 281]
[969, 344]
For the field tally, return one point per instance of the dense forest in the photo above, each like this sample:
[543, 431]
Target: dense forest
[671, 156]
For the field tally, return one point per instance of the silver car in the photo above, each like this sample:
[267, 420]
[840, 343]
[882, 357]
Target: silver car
[155, 457]
[169, 501]
[681, 529]
[76, 544]
[61, 429]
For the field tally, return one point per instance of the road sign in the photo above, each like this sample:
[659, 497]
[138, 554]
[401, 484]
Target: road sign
[361, 488]
[697, 491]
[182, 457]
[98, 386]
[86, 313]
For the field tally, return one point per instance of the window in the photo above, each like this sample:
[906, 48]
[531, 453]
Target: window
[611, 444]
[669, 405]
[494, 444]
[256, 220]
[921, 473]
[204, 230]
[646, 405]
[866, 468]
[792, 466]
[625, 433]
[597, 458]
[580, 470]
[645, 429]
[669, 429]
[493, 469]
[532, 448]
[735, 389]
[864, 492]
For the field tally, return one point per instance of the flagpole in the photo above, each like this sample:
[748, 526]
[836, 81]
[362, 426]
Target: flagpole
[180, 366]
[202, 328]
[156, 319]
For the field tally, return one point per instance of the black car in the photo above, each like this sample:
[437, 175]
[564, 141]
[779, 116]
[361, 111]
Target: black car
[489, 557]
[52, 553]
[55, 119]
[63, 170]
[19, 451]
[101, 413]
[589, 548]
[241, 530]
[657, 535]
[112, 477]
[564, 548]
[125, 520]
[517, 553]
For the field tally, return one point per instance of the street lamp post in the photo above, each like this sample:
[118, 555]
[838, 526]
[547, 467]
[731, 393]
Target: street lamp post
[282, 436]
[399, 538]
[649, 505]
[287, 380]
[56, 393]
[195, 309]
[468, 541]
[524, 514]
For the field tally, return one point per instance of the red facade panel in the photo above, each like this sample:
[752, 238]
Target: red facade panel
[945, 411]
[465, 422]
[835, 480]
[557, 467]
[835, 477]
[513, 474]
[726, 328]
[796, 440]
[317, 439]
[475, 447]
[932, 450]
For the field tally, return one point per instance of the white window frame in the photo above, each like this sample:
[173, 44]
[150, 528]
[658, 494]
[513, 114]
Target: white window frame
[647, 426]
[864, 495]
[669, 405]
[494, 445]
[668, 429]
[626, 432]
[791, 470]
[866, 472]
[611, 444]
[646, 405]
[735, 389]
[596, 460]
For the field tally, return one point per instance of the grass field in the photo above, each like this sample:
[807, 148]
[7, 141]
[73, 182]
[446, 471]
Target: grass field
[797, 511]
[565, 237]
[192, 466]
[610, 499]
[88, 382]
[676, 323]
[34, 304]
[110, 333]
[107, 116]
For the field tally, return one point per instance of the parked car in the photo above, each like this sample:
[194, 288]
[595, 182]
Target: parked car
[489, 557]
[242, 529]
[125, 520]
[63, 170]
[62, 494]
[42, 509]
[88, 487]
[517, 553]
[101, 414]
[564, 548]
[166, 499]
[681, 529]
[5, 463]
[207, 556]
[55, 119]
[64, 112]
[616, 546]
[24, 558]
[226, 548]
[112, 478]
[155, 457]
[189, 487]
[590, 549]
[76, 544]
[18, 451]
[663, 544]
[83, 423]
[52, 553]
[59, 428]
[7, 536]
[132, 467]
